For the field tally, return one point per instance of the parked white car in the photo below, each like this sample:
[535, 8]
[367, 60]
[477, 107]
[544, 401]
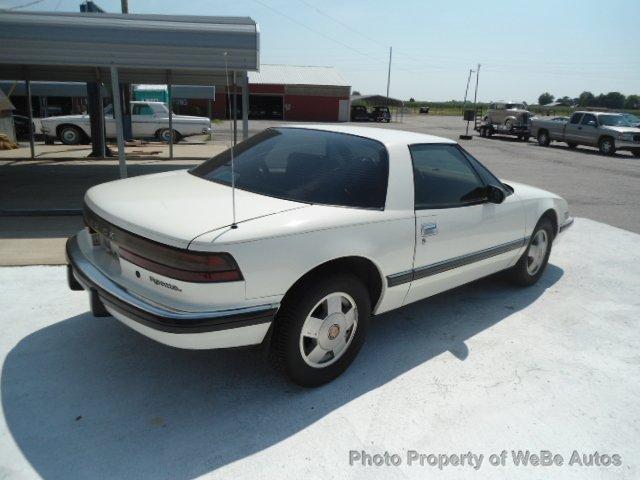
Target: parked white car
[333, 224]
[148, 119]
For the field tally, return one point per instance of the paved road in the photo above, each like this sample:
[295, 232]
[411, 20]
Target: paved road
[484, 368]
[602, 188]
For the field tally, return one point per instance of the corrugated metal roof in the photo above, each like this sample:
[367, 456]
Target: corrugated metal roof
[79, 46]
[297, 75]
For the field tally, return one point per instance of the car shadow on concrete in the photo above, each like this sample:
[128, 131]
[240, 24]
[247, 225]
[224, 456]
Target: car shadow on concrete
[89, 398]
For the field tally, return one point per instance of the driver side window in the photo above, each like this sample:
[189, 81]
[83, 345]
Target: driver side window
[443, 178]
[589, 119]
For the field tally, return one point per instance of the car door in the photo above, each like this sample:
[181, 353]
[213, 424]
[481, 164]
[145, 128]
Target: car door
[498, 115]
[460, 235]
[587, 132]
[143, 121]
[572, 129]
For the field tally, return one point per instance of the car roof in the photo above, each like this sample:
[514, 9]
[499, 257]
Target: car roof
[387, 136]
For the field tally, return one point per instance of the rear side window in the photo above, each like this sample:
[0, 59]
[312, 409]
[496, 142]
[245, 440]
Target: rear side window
[443, 177]
[305, 165]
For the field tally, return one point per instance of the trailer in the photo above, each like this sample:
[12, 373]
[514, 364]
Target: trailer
[486, 129]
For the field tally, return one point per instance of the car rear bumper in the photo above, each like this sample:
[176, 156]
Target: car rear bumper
[194, 330]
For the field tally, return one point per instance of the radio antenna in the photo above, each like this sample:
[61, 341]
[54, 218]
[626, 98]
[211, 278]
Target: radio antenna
[233, 171]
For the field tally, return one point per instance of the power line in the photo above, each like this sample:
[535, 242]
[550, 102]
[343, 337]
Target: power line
[24, 5]
[317, 32]
[340, 22]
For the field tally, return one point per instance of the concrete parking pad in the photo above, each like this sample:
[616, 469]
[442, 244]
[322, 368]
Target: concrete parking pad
[485, 368]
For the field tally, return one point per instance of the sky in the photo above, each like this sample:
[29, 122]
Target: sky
[524, 48]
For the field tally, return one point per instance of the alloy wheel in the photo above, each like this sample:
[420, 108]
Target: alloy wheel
[328, 330]
[537, 252]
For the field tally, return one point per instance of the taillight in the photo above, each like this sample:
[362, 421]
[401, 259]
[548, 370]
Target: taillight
[200, 267]
[187, 266]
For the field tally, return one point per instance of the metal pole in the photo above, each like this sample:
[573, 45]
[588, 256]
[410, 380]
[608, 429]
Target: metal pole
[170, 104]
[125, 6]
[389, 73]
[235, 109]
[475, 95]
[117, 110]
[464, 104]
[30, 108]
[245, 106]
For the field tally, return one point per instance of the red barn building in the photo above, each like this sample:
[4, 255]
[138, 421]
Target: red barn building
[292, 92]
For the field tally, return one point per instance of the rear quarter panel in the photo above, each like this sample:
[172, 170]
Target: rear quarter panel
[273, 252]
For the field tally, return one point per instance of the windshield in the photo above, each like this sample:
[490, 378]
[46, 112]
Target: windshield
[304, 165]
[631, 118]
[614, 121]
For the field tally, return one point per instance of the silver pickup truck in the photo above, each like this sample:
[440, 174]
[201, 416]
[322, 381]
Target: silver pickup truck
[606, 131]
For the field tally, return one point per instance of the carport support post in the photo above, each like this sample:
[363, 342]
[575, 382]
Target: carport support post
[32, 146]
[170, 105]
[117, 109]
[245, 106]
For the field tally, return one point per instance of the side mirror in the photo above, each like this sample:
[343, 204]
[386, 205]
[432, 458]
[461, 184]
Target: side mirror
[495, 194]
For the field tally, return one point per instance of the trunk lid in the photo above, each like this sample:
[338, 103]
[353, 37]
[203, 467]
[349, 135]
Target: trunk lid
[175, 207]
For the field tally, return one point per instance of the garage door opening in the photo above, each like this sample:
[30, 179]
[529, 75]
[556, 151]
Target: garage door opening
[261, 107]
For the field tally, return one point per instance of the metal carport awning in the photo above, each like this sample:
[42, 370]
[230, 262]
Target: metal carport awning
[128, 48]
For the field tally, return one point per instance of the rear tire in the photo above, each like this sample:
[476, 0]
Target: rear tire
[534, 260]
[320, 329]
[607, 146]
[636, 153]
[165, 135]
[543, 138]
[572, 145]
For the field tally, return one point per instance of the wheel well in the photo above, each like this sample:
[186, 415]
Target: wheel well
[553, 218]
[602, 137]
[543, 130]
[63, 125]
[361, 267]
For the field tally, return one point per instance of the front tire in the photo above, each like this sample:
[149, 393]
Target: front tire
[636, 153]
[607, 146]
[321, 328]
[572, 145]
[534, 260]
[70, 135]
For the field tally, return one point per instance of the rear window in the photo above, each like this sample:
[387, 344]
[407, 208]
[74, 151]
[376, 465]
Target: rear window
[304, 165]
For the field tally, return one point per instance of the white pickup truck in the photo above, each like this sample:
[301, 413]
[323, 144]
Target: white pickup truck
[148, 119]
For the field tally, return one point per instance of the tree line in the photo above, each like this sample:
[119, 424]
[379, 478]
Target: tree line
[588, 99]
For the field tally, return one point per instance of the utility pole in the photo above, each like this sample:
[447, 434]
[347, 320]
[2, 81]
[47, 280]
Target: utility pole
[475, 95]
[389, 73]
[125, 6]
[466, 136]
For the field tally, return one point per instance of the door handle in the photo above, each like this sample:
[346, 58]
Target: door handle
[428, 229]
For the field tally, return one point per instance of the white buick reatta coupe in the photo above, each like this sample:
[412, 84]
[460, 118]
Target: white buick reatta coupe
[324, 227]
